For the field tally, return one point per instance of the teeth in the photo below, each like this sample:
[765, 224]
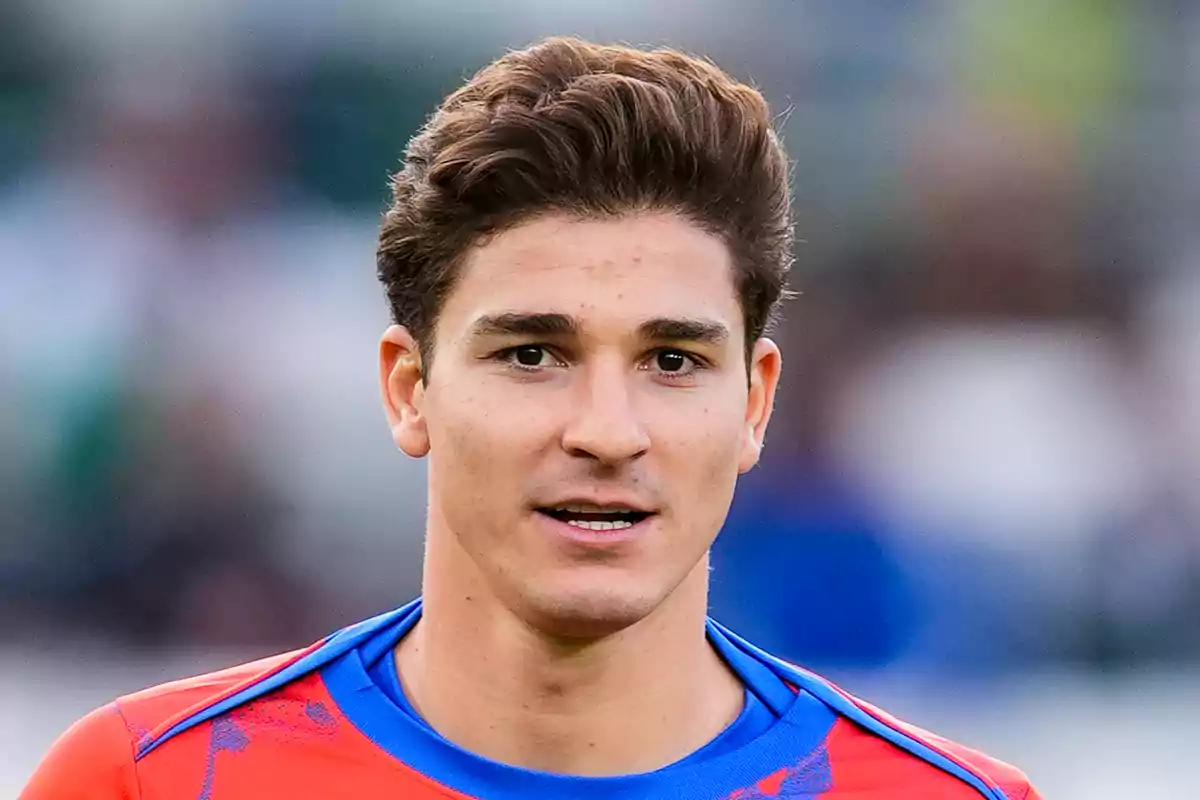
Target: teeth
[598, 525]
[591, 509]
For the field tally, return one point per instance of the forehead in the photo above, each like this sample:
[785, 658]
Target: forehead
[606, 271]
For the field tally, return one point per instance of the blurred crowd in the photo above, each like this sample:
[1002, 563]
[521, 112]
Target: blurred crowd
[986, 453]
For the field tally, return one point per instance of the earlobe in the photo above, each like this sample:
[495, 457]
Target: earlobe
[765, 366]
[403, 390]
[751, 451]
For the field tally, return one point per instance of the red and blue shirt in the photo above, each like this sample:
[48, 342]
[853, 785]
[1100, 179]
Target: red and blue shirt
[331, 721]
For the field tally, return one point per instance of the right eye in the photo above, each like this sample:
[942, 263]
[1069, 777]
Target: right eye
[529, 357]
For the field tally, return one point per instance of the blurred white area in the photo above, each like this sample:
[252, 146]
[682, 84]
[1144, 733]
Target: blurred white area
[1170, 334]
[1016, 436]
[1077, 736]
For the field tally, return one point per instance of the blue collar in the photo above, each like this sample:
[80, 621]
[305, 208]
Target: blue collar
[794, 740]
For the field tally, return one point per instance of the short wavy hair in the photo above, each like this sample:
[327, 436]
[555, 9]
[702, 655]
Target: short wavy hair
[591, 130]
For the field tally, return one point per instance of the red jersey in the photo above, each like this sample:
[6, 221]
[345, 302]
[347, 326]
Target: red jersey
[313, 724]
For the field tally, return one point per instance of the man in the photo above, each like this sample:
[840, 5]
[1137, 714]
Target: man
[585, 247]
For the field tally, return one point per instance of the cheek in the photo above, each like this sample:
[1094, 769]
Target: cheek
[719, 480]
[705, 455]
[723, 449]
[479, 447]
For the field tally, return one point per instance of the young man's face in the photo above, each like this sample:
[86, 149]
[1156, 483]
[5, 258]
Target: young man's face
[586, 415]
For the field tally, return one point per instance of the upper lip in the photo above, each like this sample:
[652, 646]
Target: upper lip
[604, 503]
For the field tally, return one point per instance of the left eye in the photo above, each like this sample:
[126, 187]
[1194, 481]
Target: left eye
[529, 355]
[671, 361]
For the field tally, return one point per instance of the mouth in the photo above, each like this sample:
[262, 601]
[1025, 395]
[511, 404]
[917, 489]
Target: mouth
[587, 517]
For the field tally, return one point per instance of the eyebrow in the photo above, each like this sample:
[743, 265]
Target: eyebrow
[701, 331]
[518, 324]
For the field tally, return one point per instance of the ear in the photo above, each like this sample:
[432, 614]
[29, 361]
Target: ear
[765, 365]
[403, 390]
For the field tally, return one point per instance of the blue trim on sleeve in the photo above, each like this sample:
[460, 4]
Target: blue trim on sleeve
[824, 692]
[332, 648]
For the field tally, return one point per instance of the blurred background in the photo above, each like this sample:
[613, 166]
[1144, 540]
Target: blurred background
[980, 503]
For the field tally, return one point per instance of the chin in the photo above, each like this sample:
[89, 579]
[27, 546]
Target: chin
[588, 612]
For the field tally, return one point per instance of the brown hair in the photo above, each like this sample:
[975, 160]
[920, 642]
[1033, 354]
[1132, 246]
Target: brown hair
[570, 126]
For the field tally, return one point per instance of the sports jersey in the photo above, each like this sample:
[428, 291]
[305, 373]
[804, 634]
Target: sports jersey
[324, 722]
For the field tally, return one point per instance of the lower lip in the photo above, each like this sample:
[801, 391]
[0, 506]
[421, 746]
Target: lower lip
[590, 538]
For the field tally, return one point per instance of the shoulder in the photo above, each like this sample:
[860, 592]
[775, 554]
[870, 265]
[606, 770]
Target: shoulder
[93, 759]
[868, 748]
[1012, 781]
[881, 743]
[96, 757]
[149, 713]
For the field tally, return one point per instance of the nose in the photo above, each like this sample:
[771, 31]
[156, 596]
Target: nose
[605, 426]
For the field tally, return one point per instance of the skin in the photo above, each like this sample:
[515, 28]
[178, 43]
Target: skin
[536, 650]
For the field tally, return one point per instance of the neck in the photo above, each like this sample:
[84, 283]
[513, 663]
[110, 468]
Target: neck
[633, 701]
